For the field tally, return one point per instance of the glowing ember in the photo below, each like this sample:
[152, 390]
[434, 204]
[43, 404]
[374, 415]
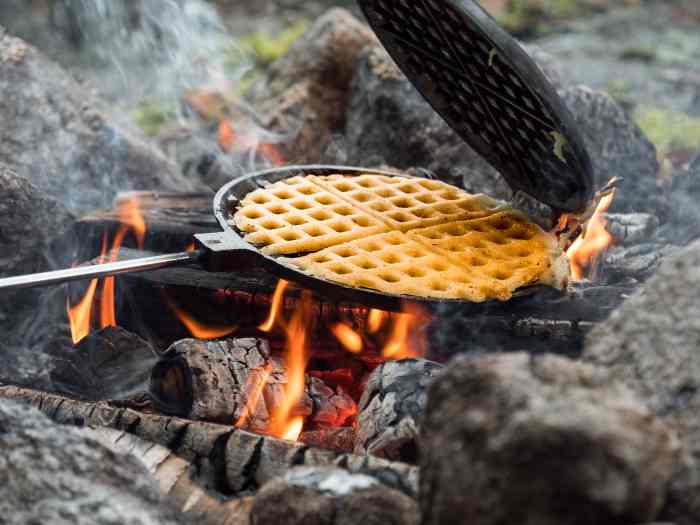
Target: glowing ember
[595, 240]
[198, 329]
[274, 309]
[254, 388]
[284, 423]
[351, 340]
[229, 140]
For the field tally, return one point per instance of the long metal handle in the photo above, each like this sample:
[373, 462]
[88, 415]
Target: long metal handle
[98, 270]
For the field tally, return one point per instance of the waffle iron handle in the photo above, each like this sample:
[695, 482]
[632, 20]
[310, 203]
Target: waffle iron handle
[224, 252]
[93, 271]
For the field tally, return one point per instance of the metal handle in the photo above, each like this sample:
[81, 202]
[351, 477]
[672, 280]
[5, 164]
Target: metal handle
[98, 270]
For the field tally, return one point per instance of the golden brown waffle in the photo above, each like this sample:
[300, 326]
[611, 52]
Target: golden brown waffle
[296, 216]
[394, 263]
[401, 236]
[503, 252]
[406, 203]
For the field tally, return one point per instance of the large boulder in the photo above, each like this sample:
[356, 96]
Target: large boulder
[331, 496]
[53, 474]
[55, 133]
[516, 438]
[651, 343]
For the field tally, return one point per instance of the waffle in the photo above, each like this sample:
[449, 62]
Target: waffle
[394, 263]
[296, 216]
[407, 203]
[401, 236]
[503, 251]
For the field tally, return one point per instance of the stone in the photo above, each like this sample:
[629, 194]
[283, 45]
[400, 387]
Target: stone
[517, 438]
[391, 406]
[617, 148]
[683, 225]
[305, 94]
[56, 134]
[331, 496]
[53, 474]
[651, 344]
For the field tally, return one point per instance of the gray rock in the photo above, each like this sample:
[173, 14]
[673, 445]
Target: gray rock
[617, 148]
[53, 474]
[684, 222]
[331, 496]
[651, 343]
[514, 438]
[392, 403]
[54, 133]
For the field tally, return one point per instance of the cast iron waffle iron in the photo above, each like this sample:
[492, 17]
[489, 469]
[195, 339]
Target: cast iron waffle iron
[487, 88]
[484, 85]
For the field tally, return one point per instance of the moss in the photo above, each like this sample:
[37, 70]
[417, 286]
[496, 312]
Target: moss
[267, 48]
[151, 115]
[668, 130]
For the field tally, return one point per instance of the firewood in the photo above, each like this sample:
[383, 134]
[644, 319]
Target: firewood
[235, 460]
[238, 381]
[176, 479]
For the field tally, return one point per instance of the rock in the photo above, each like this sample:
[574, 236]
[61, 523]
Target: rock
[392, 403]
[651, 343]
[52, 474]
[111, 363]
[306, 91]
[617, 148]
[515, 438]
[331, 496]
[55, 134]
[631, 228]
[684, 222]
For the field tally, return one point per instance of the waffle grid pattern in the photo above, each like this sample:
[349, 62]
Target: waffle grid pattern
[463, 73]
[427, 239]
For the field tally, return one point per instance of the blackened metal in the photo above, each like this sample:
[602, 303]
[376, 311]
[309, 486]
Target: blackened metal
[487, 88]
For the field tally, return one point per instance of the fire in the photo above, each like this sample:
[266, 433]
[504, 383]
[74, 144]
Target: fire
[230, 140]
[197, 328]
[274, 309]
[349, 338]
[79, 315]
[375, 318]
[595, 240]
[254, 386]
[407, 337]
[284, 423]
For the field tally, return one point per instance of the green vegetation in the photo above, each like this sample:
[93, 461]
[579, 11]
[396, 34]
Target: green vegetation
[267, 48]
[669, 131]
[151, 115]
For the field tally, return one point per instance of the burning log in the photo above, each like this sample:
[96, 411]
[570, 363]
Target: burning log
[176, 479]
[341, 439]
[391, 405]
[234, 460]
[238, 381]
[109, 364]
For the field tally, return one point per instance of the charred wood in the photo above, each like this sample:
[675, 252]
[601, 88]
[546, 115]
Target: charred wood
[341, 439]
[236, 461]
[391, 407]
[176, 479]
[238, 381]
[108, 364]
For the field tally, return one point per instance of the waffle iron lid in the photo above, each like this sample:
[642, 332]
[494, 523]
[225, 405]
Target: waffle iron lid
[489, 90]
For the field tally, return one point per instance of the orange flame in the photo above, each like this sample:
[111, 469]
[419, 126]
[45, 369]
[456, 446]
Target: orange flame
[229, 140]
[274, 309]
[585, 250]
[402, 343]
[198, 329]
[349, 338]
[375, 319]
[284, 423]
[80, 315]
[254, 386]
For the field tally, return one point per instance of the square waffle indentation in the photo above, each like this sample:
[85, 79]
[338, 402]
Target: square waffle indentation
[404, 203]
[298, 216]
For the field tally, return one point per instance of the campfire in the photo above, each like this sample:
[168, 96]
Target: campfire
[363, 278]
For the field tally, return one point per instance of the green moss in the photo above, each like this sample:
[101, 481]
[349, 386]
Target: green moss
[267, 48]
[669, 131]
[151, 115]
